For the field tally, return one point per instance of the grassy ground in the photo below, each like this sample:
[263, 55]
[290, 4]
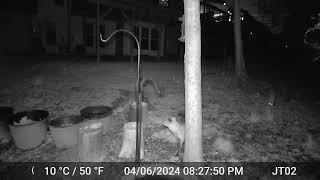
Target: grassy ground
[238, 125]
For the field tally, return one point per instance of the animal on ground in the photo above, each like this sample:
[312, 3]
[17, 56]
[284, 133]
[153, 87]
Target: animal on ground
[177, 129]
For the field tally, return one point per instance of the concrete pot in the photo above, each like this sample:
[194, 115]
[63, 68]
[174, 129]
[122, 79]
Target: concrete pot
[64, 130]
[32, 134]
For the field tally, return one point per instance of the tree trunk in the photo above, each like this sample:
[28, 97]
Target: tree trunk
[193, 109]
[98, 31]
[239, 63]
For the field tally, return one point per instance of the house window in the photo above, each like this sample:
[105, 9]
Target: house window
[154, 39]
[148, 37]
[136, 33]
[36, 30]
[144, 38]
[36, 27]
[51, 33]
[89, 35]
[59, 2]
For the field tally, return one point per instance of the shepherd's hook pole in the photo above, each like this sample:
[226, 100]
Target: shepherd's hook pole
[137, 92]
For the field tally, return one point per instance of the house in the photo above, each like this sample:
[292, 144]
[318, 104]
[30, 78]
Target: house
[66, 25]
[16, 33]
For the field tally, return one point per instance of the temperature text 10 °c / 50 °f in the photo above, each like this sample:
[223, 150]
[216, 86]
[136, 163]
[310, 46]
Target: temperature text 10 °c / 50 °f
[72, 171]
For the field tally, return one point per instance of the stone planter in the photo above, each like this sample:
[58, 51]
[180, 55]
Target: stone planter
[64, 130]
[29, 128]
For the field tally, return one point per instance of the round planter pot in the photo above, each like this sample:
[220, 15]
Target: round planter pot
[99, 114]
[29, 128]
[64, 130]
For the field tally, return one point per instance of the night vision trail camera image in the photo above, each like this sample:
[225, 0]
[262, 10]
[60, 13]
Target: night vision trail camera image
[159, 89]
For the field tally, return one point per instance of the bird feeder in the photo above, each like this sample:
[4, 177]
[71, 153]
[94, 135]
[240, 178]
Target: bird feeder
[181, 39]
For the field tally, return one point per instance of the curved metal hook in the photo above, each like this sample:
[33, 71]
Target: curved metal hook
[138, 92]
[138, 71]
[145, 82]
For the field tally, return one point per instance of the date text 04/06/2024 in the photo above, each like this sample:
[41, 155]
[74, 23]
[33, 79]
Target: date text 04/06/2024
[172, 171]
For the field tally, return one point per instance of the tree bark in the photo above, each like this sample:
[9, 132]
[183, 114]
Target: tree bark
[239, 62]
[192, 66]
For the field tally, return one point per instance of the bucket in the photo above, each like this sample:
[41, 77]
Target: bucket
[90, 146]
[64, 130]
[5, 113]
[29, 128]
[99, 114]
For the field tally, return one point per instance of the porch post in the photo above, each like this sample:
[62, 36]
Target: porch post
[68, 25]
[131, 39]
[98, 32]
